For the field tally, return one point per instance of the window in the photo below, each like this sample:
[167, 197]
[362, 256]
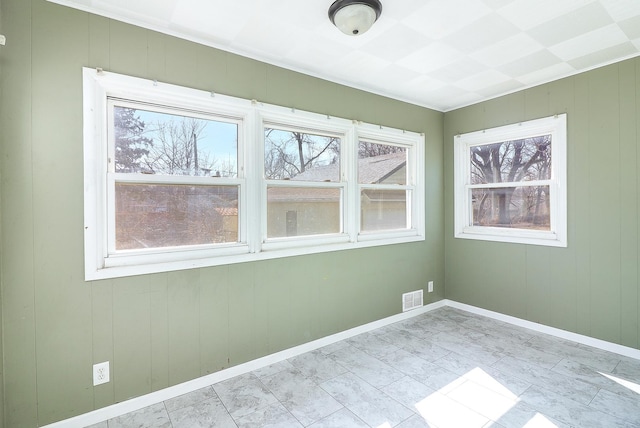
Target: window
[510, 183]
[177, 178]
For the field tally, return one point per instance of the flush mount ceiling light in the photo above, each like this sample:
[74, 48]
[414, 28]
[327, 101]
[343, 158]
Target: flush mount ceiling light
[354, 17]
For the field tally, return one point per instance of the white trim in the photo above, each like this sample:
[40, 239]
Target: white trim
[556, 126]
[138, 403]
[102, 261]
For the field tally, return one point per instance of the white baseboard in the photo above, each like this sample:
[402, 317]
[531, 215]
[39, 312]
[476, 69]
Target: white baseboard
[563, 334]
[138, 403]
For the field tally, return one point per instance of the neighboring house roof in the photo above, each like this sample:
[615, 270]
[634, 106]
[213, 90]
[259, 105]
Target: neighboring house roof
[371, 170]
[303, 194]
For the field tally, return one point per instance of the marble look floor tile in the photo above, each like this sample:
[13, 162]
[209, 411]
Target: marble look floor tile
[408, 392]
[499, 329]
[429, 374]
[384, 330]
[190, 399]
[483, 401]
[342, 418]
[600, 379]
[273, 416]
[625, 408]
[330, 349]
[317, 366]
[628, 369]
[524, 415]
[460, 345]
[541, 358]
[410, 364]
[444, 412]
[368, 403]
[302, 397]
[570, 412]
[416, 327]
[372, 345]
[595, 358]
[272, 369]
[204, 414]
[564, 385]
[487, 376]
[367, 367]
[416, 421]
[426, 349]
[244, 394]
[154, 416]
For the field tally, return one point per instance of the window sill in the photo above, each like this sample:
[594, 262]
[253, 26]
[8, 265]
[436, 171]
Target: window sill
[266, 254]
[513, 236]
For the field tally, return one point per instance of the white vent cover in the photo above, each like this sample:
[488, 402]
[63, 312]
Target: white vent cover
[411, 300]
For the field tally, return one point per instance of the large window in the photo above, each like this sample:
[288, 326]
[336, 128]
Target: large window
[510, 183]
[177, 178]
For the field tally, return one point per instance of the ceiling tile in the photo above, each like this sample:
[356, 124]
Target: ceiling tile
[485, 31]
[527, 14]
[396, 43]
[594, 41]
[631, 27]
[432, 57]
[621, 9]
[528, 64]
[438, 18]
[418, 51]
[204, 17]
[604, 56]
[505, 87]
[573, 24]
[477, 82]
[507, 50]
[547, 74]
[458, 70]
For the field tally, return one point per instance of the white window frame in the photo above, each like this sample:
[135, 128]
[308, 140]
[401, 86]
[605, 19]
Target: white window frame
[102, 262]
[556, 126]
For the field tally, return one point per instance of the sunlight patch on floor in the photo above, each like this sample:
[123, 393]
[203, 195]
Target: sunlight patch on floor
[626, 383]
[475, 402]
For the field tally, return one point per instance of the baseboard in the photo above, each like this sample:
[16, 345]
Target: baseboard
[138, 403]
[564, 334]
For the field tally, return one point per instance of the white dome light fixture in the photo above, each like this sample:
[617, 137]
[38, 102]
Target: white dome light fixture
[354, 17]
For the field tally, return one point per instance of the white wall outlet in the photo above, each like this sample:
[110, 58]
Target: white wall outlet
[430, 289]
[100, 373]
[3, 40]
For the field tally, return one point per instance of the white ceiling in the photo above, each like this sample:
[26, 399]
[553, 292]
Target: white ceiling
[441, 54]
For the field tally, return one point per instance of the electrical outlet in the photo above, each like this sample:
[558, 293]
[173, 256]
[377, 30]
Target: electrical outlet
[100, 373]
[430, 287]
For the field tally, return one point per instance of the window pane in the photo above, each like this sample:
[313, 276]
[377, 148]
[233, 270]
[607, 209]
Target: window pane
[511, 161]
[155, 216]
[168, 144]
[383, 209]
[381, 163]
[299, 211]
[512, 207]
[290, 155]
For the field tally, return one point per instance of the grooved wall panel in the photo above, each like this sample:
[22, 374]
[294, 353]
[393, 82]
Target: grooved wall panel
[590, 287]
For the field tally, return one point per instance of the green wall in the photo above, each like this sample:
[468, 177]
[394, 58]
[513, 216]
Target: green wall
[162, 329]
[590, 287]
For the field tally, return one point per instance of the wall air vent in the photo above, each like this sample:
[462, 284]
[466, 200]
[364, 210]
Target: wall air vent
[411, 300]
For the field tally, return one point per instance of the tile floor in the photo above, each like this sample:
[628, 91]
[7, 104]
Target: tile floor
[446, 368]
